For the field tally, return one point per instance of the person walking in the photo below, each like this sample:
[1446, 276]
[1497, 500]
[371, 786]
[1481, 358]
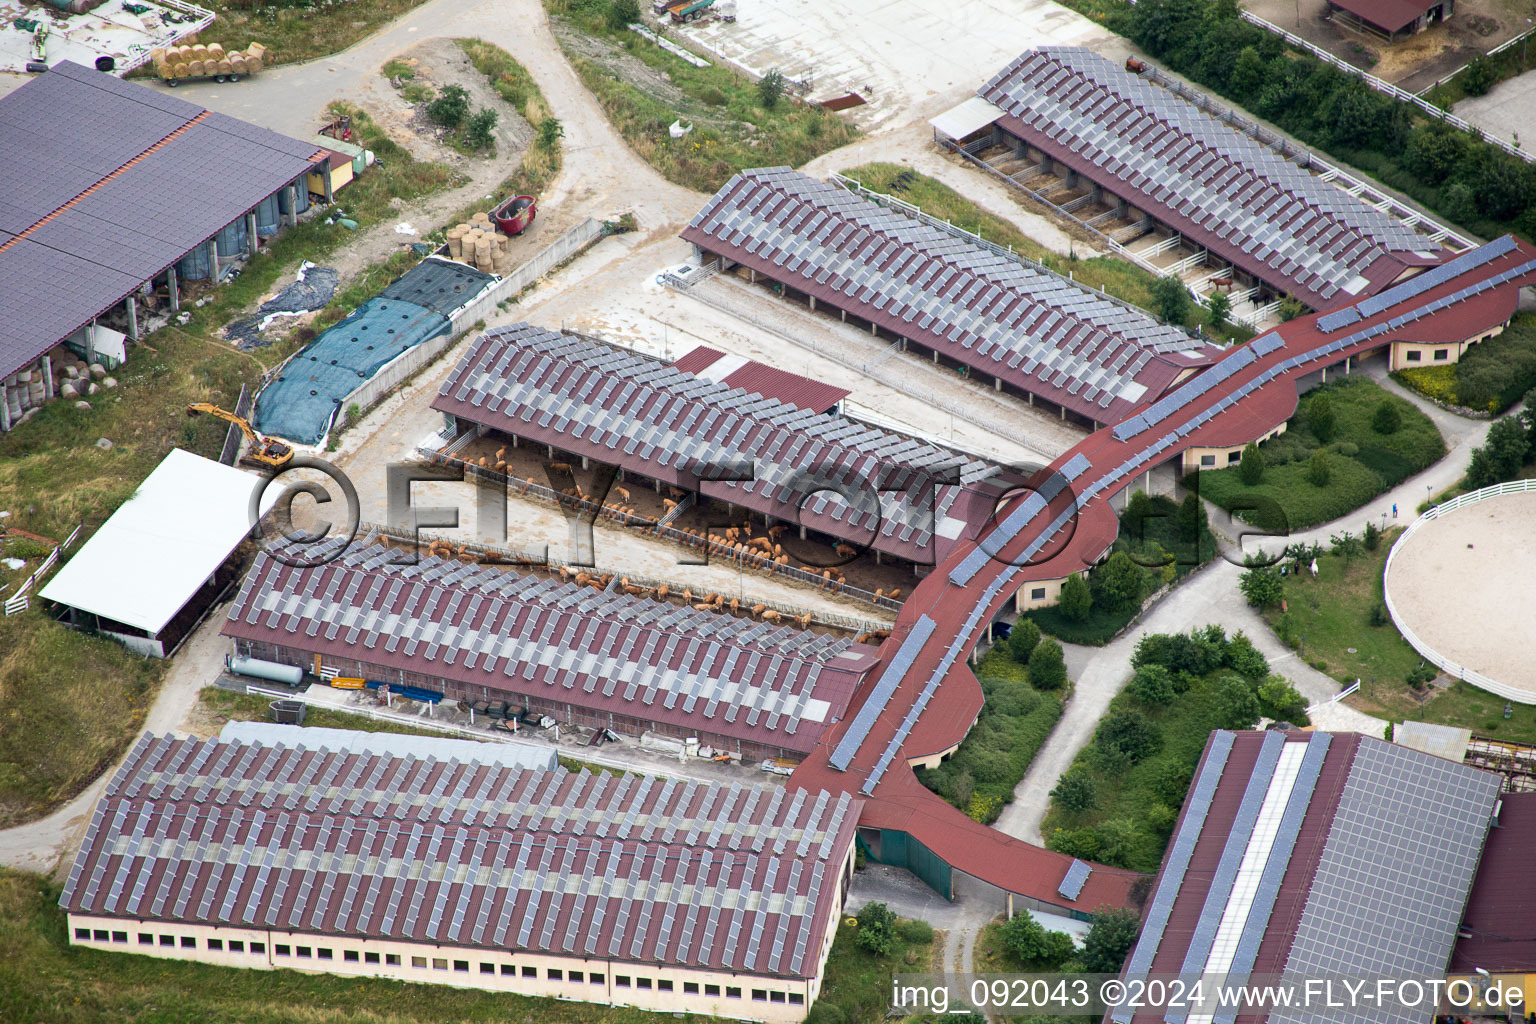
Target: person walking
[1394, 510]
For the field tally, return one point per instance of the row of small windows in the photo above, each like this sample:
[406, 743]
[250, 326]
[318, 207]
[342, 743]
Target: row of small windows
[439, 964]
[187, 941]
[1415, 355]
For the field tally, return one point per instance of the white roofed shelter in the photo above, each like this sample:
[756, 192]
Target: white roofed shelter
[152, 569]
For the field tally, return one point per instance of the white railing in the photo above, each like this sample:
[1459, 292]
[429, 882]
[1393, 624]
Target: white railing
[1428, 653]
[1347, 691]
[18, 602]
[1382, 85]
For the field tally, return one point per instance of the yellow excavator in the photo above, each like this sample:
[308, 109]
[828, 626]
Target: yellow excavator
[263, 450]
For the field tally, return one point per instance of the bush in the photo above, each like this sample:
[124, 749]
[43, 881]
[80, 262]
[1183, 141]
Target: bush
[1279, 700]
[1262, 586]
[621, 14]
[1192, 519]
[1127, 736]
[1319, 469]
[1022, 640]
[1075, 601]
[450, 108]
[877, 929]
[1320, 419]
[824, 1012]
[918, 933]
[1047, 666]
[1386, 419]
[1034, 946]
[770, 89]
[1108, 941]
[1251, 469]
[1076, 791]
[1234, 705]
[1502, 454]
[1117, 584]
[551, 131]
[1152, 685]
[480, 130]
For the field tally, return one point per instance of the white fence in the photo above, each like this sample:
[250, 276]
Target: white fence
[1383, 86]
[18, 602]
[1429, 654]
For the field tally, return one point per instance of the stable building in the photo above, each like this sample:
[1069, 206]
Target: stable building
[1312, 855]
[1391, 20]
[940, 292]
[666, 895]
[579, 654]
[161, 561]
[114, 194]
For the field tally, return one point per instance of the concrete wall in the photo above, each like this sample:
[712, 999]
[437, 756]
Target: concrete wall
[1406, 354]
[615, 982]
[1038, 593]
[1220, 458]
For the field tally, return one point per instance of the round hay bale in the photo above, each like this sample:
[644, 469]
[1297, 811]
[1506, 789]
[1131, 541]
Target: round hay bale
[195, 68]
[225, 67]
[183, 69]
[199, 52]
[216, 51]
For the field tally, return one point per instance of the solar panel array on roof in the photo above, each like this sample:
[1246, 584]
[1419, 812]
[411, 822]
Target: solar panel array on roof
[977, 305]
[1268, 215]
[855, 482]
[90, 164]
[486, 627]
[875, 704]
[1394, 874]
[465, 855]
[1419, 284]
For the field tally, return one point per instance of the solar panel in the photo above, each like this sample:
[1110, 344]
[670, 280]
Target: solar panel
[1072, 883]
[880, 696]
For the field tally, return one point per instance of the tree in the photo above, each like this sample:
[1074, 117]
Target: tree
[1319, 470]
[1047, 667]
[1280, 700]
[1421, 674]
[1191, 518]
[1501, 183]
[1163, 25]
[451, 106]
[1171, 300]
[551, 131]
[1153, 686]
[622, 14]
[1347, 545]
[1290, 308]
[1351, 116]
[1501, 455]
[1371, 538]
[1434, 150]
[1121, 841]
[1076, 791]
[1247, 74]
[1117, 584]
[877, 928]
[480, 131]
[1219, 308]
[1111, 936]
[1036, 947]
[1246, 659]
[1251, 469]
[1022, 640]
[1233, 705]
[1127, 735]
[1262, 586]
[1320, 419]
[770, 88]
[1478, 76]
[1075, 601]
[1386, 419]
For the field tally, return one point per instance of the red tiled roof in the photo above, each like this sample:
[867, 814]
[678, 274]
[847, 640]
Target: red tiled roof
[632, 868]
[865, 486]
[1216, 187]
[1389, 15]
[761, 379]
[1499, 926]
[524, 636]
[944, 290]
[961, 612]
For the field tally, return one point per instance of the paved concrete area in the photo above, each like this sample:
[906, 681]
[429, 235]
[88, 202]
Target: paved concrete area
[1507, 111]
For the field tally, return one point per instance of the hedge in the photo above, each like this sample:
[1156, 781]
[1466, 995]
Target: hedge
[1491, 376]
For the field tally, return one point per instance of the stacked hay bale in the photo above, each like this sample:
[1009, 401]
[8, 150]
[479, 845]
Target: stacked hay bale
[194, 60]
[478, 243]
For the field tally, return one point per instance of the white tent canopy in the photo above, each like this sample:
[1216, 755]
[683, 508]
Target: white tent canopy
[162, 545]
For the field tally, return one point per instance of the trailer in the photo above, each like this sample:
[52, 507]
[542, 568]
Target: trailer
[513, 216]
[688, 10]
[177, 64]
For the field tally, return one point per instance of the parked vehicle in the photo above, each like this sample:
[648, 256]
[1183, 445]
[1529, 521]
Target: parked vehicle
[513, 216]
[177, 64]
[688, 10]
[779, 766]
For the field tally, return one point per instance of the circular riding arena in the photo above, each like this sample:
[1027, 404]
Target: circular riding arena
[1460, 584]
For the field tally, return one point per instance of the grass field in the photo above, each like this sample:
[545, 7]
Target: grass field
[643, 89]
[72, 702]
[45, 980]
[1363, 463]
[1120, 278]
[1333, 614]
[540, 161]
[299, 31]
[859, 982]
[1012, 727]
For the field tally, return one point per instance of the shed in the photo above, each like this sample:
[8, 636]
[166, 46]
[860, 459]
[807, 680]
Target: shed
[155, 567]
[1390, 19]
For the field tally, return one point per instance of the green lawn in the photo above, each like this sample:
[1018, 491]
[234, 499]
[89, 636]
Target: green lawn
[1013, 725]
[732, 128]
[859, 982]
[1120, 278]
[45, 980]
[1363, 463]
[1333, 614]
[299, 31]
